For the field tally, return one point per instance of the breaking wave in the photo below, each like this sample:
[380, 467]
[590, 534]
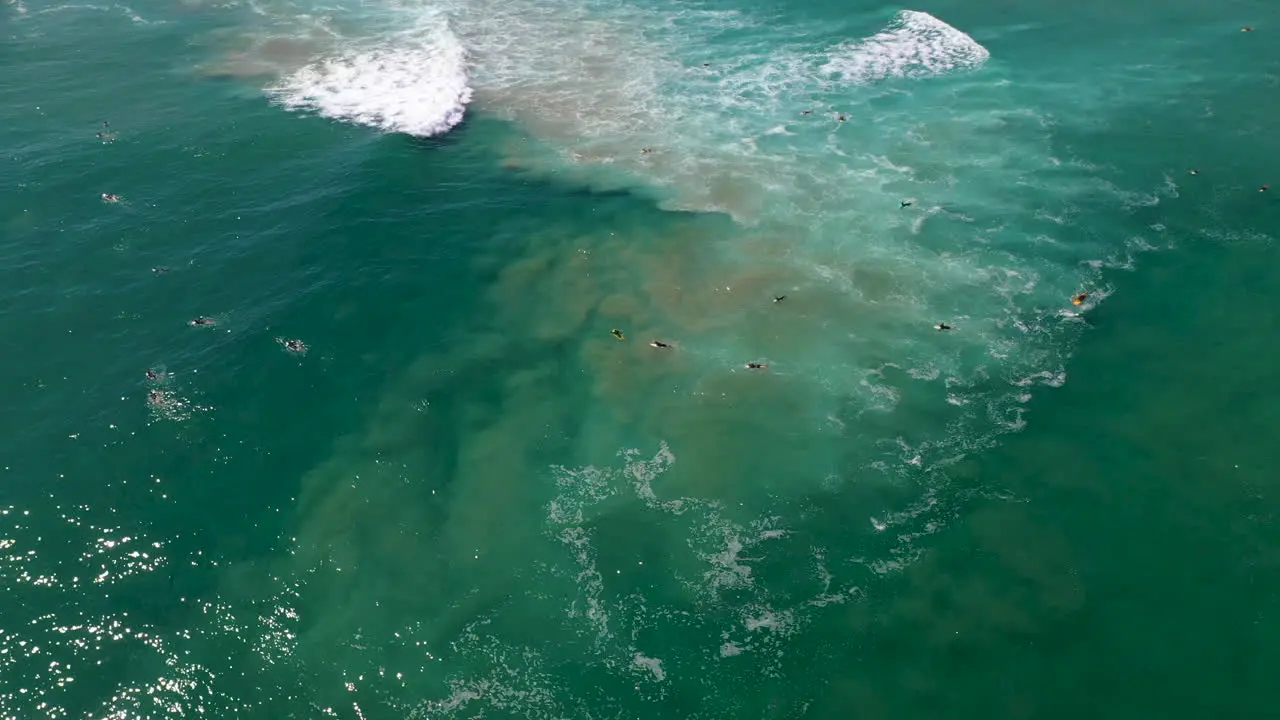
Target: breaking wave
[915, 44]
[415, 83]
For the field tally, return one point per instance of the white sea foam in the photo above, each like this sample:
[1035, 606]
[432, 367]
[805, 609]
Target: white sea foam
[758, 624]
[414, 83]
[915, 44]
[652, 665]
[128, 12]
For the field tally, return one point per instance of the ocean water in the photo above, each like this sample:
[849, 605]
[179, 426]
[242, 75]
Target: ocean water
[463, 497]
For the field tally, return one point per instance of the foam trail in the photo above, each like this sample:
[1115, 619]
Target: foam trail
[413, 83]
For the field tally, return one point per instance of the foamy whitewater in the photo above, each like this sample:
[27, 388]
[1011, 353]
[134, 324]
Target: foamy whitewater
[916, 44]
[414, 82]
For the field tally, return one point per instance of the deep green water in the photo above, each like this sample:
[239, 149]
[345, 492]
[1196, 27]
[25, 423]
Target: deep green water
[467, 499]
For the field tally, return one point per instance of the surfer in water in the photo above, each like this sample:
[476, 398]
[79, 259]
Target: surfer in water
[660, 345]
[904, 203]
[297, 347]
[942, 327]
[756, 366]
[779, 298]
[618, 334]
[202, 320]
[1079, 299]
[108, 197]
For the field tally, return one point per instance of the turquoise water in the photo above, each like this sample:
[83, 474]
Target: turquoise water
[467, 499]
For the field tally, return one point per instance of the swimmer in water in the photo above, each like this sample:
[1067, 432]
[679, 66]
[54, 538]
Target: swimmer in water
[156, 397]
[154, 376]
[779, 298]
[756, 366]
[1079, 299]
[1246, 29]
[806, 112]
[296, 347]
[160, 270]
[1264, 188]
[904, 203]
[659, 344]
[1193, 171]
[645, 151]
[618, 334]
[202, 320]
[942, 326]
[108, 197]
